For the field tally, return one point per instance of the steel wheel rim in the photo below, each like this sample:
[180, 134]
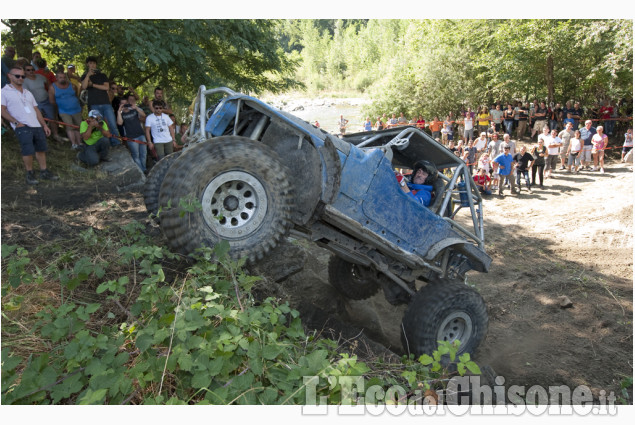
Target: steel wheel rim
[234, 204]
[456, 326]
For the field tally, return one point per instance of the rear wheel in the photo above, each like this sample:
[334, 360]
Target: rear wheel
[352, 280]
[244, 194]
[444, 312]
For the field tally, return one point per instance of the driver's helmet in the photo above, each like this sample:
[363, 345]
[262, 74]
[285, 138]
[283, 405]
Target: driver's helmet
[428, 166]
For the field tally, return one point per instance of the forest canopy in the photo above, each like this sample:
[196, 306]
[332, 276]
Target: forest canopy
[415, 66]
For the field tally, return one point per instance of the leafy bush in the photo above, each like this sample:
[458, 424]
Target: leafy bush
[199, 337]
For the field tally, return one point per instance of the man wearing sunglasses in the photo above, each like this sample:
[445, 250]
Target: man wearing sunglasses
[20, 109]
[160, 131]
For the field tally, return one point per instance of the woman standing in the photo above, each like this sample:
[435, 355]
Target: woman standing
[599, 142]
[539, 152]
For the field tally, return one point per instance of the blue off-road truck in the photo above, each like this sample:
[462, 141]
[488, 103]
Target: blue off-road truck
[261, 174]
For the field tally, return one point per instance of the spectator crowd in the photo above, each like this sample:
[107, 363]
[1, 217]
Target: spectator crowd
[553, 137]
[96, 113]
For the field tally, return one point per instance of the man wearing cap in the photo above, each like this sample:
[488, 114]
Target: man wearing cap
[96, 84]
[503, 164]
[20, 109]
[95, 134]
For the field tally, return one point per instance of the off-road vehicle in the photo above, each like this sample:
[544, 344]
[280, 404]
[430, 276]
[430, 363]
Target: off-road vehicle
[261, 174]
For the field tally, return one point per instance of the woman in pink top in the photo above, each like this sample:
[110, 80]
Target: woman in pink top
[599, 141]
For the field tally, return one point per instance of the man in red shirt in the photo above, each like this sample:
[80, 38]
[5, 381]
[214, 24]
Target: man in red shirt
[606, 113]
[483, 181]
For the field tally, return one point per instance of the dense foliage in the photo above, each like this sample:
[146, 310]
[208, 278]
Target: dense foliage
[178, 55]
[432, 66]
[128, 328]
[416, 66]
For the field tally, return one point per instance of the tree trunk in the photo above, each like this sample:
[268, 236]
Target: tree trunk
[550, 82]
[21, 31]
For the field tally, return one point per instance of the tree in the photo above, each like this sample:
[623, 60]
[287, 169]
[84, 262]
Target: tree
[177, 54]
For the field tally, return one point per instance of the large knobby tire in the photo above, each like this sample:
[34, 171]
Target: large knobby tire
[244, 193]
[153, 184]
[444, 312]
[355, 282]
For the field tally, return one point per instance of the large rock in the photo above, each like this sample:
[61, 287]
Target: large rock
[122, 170]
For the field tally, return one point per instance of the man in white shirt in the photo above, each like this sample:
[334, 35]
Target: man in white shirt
[481, 142]
[553, 143]
[160, 131]
[20, 109]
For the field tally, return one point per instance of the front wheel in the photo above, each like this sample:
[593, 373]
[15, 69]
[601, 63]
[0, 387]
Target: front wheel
[229, 188]
[444, 312]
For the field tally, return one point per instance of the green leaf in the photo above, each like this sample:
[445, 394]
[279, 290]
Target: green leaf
[425, 359]
[144, 341]
[185, 361]
[270, 351]
[256, 366]
[93, 397]
[461, 369]
[473, 367]
[201, 380]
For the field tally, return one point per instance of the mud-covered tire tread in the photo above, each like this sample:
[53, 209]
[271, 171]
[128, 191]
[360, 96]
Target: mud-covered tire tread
[341, 278]
[431, 305]
[195, 168]
[153, 183]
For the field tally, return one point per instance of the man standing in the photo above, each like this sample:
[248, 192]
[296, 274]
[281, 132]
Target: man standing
[62, 95]
[7, 63]
[20, 109]
[342, 123]
[74, 79]
[160, 131]
[555, 117]
[481, 143]
[38, 85]
[497, 117]
[95, 134]
[553, 144]
[586, 134]
[494, 147]
[606, 113]
[159, 95]
[523, 161]
[576, 114]
[504, 164]
[96, 84]
[130, 116]
[509, 142]
[565, 135]
[523, 114]
[539, 119]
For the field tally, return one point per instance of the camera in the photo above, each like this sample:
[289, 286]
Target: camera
[127, 105]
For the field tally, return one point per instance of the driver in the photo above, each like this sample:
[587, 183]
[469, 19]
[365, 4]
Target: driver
[424, 174]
